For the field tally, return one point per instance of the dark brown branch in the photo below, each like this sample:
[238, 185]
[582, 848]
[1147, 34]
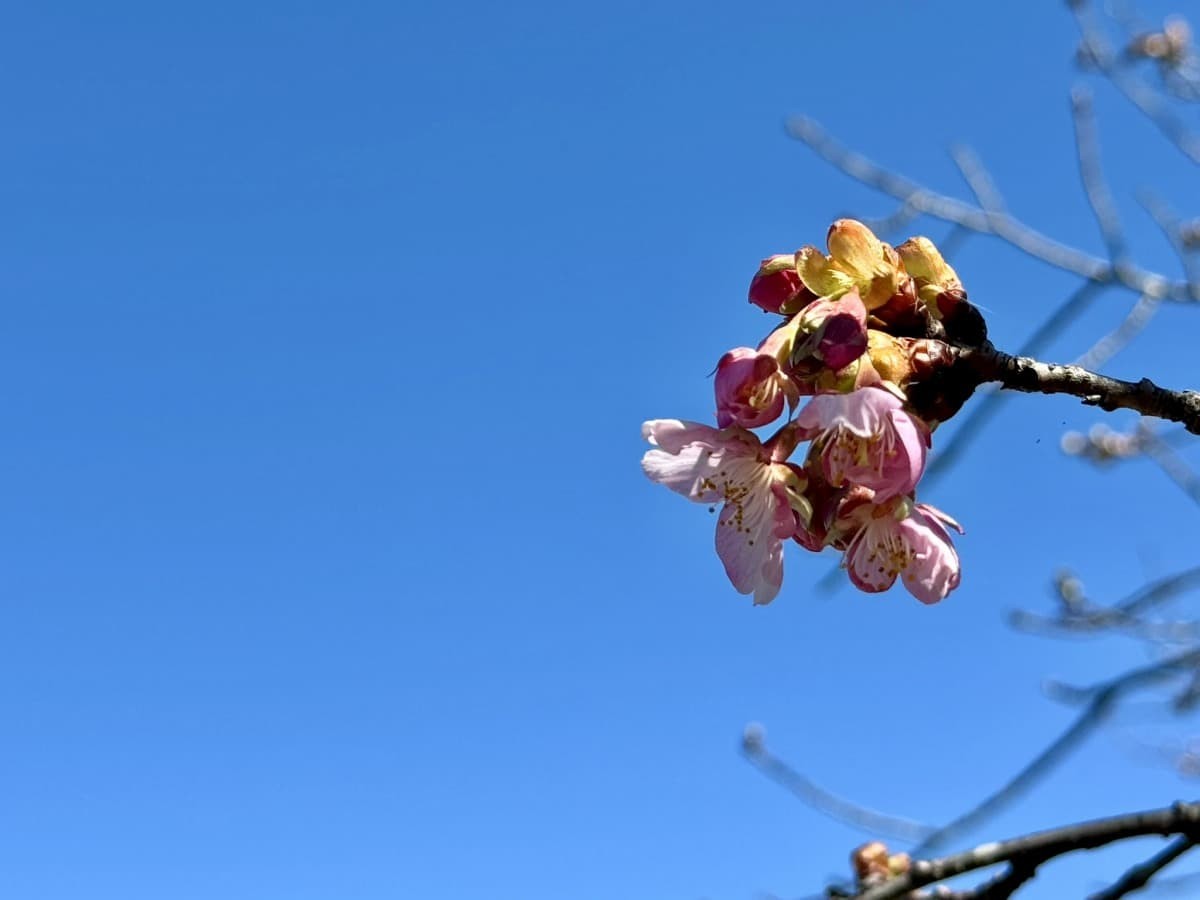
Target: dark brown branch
[987, 405]
[1026, 854]
[1019, 373]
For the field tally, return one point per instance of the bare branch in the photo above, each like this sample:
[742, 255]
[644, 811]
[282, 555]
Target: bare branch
[985, 407]
[974, 218]
[1020, 373]
[979, 180]
[1173, 230]
[1096, 52]
[1095, 185]
[826, 802]
[1139, 876]
[1026, 854]
[1100, 702]
[1135, 321]
[1171, 464]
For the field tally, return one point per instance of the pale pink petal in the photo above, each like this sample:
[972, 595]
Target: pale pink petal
[867, 560]
[748, 547]
[689, 472]
[934, 570]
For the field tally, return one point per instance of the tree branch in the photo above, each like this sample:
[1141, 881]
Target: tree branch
[1026, 854]
[1019, 373]
[1139, 876]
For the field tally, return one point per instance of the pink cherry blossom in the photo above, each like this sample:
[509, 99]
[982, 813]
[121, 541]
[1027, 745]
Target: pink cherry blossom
[865, 437]
[762, 495]
[900, 537]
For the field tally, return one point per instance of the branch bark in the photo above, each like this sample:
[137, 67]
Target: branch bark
[1026, 854]
[1021, 373]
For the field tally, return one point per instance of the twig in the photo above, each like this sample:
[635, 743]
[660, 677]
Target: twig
[1100, 702]
[1171, 464]
[1089, 619]
[1020, 373]
[1095, 185]
[1026, 854]
[1164, 217]
[830, 804]
[1004, 227]
[890, 224]
[979, 180]
[1098, 54]
[985, 407]
[1139, 876]
[1135, 321]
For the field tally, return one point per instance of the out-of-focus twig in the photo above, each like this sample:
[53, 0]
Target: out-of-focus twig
[825, 802]
[1004, 226]
[1172, 465]
[1078, 616]
[1100, 701]
[1095, 185]
[1095, 51]
[1135, 321]
[1173, 230]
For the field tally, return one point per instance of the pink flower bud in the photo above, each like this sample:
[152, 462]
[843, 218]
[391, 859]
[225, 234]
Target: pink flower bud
[835, 331]
[777, 287]
[748, 388]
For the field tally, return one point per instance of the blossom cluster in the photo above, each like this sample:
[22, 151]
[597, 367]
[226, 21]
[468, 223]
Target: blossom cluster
[862, 337]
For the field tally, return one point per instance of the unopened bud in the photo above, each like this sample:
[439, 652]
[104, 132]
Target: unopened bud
[777, 287]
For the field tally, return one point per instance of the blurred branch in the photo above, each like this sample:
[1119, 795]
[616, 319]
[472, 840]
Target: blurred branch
[1173, 230]
[1135, 321]
[825, 802]
[1100, 700]
[1095, 185]
[1096, 53]
[975, 218]
[1171, 464]
[1079, 616]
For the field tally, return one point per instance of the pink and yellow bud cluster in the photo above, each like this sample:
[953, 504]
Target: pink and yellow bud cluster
[862, 325]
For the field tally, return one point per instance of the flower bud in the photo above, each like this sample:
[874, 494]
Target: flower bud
[924, 262]
[748, 389]
[889, 356]
[832, 331]
[963, 321]
[870, 862]
[777, 286]
[857, 259]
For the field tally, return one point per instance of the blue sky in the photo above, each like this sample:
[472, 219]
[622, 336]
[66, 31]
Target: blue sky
[326, 565]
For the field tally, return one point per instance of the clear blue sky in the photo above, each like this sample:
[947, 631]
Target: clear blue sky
[327, 569]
